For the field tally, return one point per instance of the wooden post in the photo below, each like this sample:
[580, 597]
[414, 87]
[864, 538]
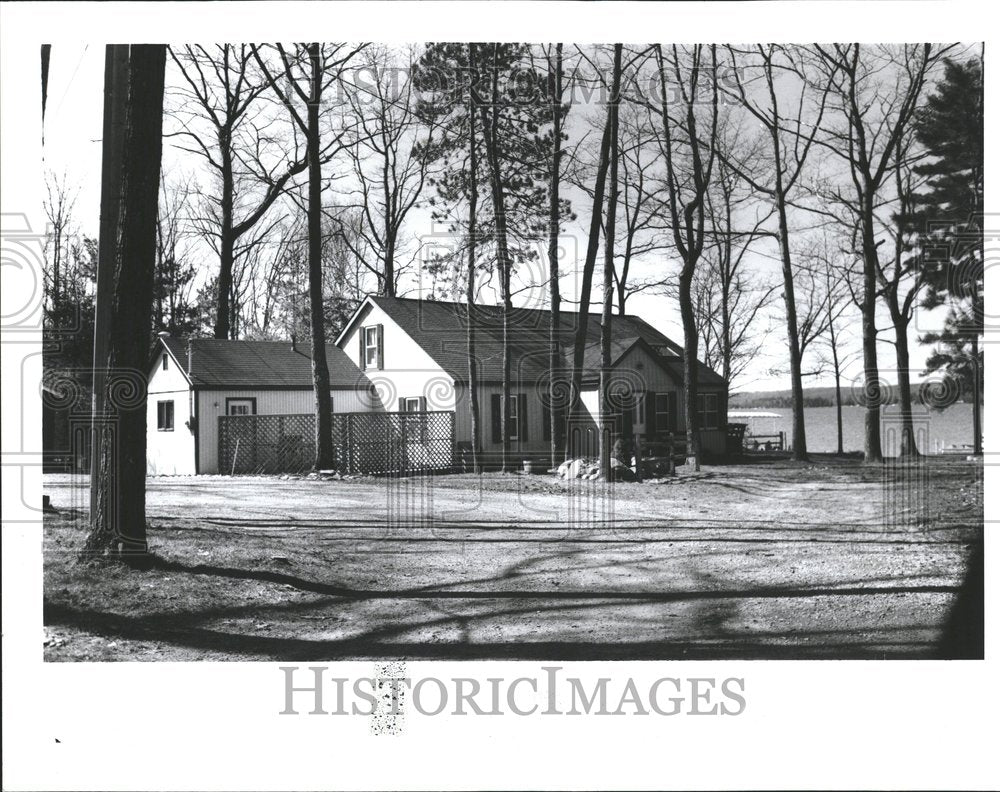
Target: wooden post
[638, 458]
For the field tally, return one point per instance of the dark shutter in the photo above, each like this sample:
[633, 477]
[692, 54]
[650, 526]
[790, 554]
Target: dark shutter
[672, 411]
[546, 421]
[422, 404]
[522, 416]
[495, 417]
[361, 348]
[402, 405]
[650, 413]
[723, 414]
[380, 355]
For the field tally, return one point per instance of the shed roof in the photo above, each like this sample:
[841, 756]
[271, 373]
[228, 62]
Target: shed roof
[258, 365]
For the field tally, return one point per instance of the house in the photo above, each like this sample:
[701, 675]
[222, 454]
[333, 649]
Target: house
[415, 355]
[399, 355]
[193, 382]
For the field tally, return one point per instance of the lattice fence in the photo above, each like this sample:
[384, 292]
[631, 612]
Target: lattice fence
[376, 443]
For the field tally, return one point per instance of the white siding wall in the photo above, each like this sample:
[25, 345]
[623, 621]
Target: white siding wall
[169, 453]
[212, 404]
[407, 372]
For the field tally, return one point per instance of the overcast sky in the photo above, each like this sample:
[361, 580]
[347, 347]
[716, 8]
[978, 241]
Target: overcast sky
[73, 147]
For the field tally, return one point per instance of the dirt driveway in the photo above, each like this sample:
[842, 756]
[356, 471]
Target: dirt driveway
[770, 561]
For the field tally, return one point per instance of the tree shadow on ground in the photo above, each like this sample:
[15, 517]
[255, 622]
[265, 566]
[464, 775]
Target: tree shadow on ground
[387, 638]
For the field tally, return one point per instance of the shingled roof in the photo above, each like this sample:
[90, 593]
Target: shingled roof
[439, 328]
[258, 365]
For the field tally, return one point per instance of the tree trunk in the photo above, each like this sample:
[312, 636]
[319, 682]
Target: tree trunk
[977, 384]
[792, 327]
[115, 102]
[555, 383]
[908, 441]
[227, 244]
[606, 417]
[470, 286]
[118, 483]
[503, 256]
[587, 279]
[869, 342]
[837, 394]
[320, 371]
[690, 362]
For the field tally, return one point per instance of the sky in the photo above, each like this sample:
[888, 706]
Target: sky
[73, 149]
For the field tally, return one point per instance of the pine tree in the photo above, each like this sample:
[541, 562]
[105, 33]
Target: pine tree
[950, 127]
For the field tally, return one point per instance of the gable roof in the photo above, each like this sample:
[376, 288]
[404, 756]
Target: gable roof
[439, 328]
[258, 365]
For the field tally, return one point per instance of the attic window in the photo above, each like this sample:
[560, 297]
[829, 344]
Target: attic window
[372, 353]
[164, 361]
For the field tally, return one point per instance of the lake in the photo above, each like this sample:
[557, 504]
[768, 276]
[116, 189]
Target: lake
[935, 429]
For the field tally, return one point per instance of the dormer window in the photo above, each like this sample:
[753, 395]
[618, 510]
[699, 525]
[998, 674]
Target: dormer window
[371, 347]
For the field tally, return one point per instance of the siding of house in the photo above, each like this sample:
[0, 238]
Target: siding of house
[407, 371]
[212, 404]
[649, 376]
[169, 453]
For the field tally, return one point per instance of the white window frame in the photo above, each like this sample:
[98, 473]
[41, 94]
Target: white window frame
[371, 346]
[248, 403]
[414, 400]
[162, 408]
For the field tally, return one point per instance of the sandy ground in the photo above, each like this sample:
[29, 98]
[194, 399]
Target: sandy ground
[771, 560]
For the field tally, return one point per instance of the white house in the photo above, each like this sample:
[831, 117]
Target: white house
[404, 355]
[192, 382]
[415, 354]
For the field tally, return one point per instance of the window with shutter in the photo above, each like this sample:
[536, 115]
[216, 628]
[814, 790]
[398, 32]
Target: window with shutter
[372, 352]
[708, 410]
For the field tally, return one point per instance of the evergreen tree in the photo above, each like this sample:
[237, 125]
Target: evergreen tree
[950, 127]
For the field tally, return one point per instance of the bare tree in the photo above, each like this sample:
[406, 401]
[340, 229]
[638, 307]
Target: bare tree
[902, 280]
[729, 302]
[686, 189]
[317, 67]
[587, 275]
[554, 57]
[607, 425]
[58, 204]
[219, 116]
[791, 137]
[877, 89]
[390, 159]
[118, 479]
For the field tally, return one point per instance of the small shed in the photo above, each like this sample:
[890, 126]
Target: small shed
[192, 382]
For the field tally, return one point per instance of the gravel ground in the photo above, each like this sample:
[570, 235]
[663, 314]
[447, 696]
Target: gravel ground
[774, 560]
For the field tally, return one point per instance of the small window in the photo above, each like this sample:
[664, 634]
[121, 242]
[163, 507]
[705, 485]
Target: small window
[663, 411]
[708, 411]
[639, 410]
[371, 346]
[241, 407]
[513, 418]
[411, 405]
[165, 416]
[164, 361]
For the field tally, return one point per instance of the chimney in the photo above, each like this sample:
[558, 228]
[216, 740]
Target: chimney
[189, 357]
[294, 348]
